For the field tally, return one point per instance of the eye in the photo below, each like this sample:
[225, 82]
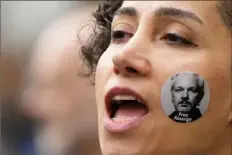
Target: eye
[119, 36]
[194, 91]
[175, 39]
[178, 89]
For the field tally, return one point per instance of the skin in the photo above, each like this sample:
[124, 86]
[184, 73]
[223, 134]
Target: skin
[185, 90]
[155, 60]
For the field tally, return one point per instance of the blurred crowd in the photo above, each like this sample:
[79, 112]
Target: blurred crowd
[47, 108]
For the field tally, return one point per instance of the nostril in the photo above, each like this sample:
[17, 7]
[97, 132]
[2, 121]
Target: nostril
[116, 71]
[131, 70]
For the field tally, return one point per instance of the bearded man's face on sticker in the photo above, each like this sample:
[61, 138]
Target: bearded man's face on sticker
[187, 92]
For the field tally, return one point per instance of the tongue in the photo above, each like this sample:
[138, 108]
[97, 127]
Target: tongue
[131, 111]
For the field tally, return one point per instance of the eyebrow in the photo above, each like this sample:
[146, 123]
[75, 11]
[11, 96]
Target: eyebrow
[161, 11]
[128, 11]
[170, 11]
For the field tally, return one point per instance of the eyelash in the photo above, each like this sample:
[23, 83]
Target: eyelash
[175, 39]
[118, 36]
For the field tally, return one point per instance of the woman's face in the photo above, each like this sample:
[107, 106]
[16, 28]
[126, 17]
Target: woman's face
[152, 41]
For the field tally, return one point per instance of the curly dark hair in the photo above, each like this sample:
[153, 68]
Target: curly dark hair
[99, 40]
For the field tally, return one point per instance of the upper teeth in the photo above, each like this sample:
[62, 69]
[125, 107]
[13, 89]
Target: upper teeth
[125, 97]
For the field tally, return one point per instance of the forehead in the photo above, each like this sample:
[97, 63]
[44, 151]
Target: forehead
[189, 5]
[186, 80]
[203, 9]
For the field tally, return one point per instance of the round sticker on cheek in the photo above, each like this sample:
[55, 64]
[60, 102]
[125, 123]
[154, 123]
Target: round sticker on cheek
[185, 97]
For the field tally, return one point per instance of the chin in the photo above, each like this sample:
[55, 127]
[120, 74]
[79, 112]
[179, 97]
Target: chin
[184, 110]
[123, 143]
[117, 148]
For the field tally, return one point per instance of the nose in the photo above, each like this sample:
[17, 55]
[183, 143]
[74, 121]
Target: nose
[131, 62]
[185, 95]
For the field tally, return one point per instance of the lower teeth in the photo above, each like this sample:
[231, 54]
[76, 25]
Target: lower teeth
[124, 119]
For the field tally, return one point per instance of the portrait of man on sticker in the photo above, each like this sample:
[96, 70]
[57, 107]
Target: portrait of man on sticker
[187, 91]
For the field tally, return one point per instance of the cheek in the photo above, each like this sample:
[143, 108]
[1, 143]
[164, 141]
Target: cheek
[99, 82]
[105, 67]
[177, 96]
[192, 96]
[103, 73]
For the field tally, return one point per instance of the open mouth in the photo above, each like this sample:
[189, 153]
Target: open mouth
[124, 108]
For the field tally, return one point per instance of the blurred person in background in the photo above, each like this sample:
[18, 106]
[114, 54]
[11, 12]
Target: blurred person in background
[15, 126]
[56, 96]
[51, 119]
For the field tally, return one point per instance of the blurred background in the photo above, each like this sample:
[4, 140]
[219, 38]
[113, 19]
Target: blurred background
[46, 107]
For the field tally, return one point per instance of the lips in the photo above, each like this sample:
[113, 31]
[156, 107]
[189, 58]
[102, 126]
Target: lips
[184, 103]
[125, 109]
